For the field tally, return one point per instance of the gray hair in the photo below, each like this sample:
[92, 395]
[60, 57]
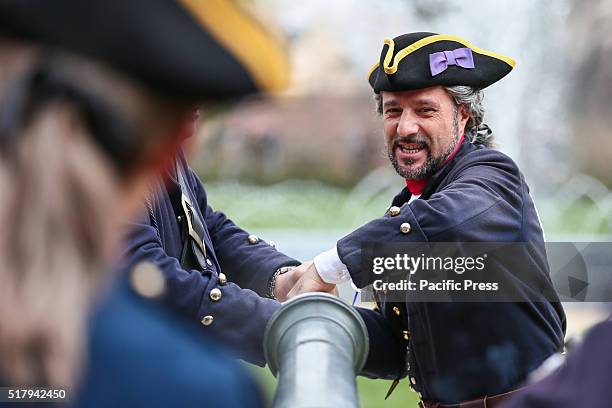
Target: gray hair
[476, 131]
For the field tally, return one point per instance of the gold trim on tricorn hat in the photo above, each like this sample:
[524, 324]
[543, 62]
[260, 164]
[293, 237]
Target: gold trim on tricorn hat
[264, 58]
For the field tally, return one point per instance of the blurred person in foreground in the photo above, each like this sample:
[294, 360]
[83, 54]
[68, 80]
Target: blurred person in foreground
[94, 98]
[458, 189]
[583, 379]
[227, 282]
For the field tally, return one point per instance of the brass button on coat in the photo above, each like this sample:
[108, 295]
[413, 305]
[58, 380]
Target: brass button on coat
[207, 320]
[215, 294]
[222, 279]
[394, 211]
[147, 280]
[396, 310]
[406, 335]
[405, 228]
[253, 239]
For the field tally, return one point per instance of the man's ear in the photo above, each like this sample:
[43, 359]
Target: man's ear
[464, 116]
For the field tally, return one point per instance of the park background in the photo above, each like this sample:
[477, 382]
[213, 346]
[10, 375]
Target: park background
[307, 166]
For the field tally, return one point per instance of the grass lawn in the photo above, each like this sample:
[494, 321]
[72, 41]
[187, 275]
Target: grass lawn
[371, 392]
[308, 205]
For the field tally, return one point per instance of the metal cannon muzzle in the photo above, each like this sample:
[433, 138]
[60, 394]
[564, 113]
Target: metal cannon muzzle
[315, 345]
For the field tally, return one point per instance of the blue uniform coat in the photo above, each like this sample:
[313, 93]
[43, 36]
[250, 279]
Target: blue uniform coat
[454, 352]
[241, 314]
[142, 355]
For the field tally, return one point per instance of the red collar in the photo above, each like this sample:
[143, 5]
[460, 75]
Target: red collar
[416, 187]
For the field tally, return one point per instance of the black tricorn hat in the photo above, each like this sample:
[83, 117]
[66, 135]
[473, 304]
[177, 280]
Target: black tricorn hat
[189, 49]
[422, 60]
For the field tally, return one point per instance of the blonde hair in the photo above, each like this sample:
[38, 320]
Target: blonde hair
[59, 212]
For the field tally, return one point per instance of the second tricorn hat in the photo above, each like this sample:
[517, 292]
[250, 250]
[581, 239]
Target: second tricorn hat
[186, 49]
[422, 60]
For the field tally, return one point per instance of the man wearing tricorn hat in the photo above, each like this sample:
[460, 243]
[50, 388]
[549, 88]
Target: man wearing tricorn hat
[458, 189]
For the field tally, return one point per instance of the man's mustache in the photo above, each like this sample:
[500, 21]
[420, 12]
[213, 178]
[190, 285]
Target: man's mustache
[418, 139]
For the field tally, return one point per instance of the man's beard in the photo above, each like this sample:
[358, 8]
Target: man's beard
[432, 164]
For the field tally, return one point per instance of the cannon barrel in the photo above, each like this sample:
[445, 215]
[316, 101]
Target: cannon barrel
[315, 345]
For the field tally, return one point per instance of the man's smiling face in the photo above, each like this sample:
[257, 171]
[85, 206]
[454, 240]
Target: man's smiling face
[422, 128]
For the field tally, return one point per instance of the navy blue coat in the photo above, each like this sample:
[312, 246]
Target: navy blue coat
[142, 355]
[583, 381]
[454, 352]
[241, 315]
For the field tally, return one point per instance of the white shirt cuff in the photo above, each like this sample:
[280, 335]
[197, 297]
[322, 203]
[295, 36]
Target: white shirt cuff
[330, 267]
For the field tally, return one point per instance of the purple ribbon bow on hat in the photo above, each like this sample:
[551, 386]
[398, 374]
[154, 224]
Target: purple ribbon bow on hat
[439, 61]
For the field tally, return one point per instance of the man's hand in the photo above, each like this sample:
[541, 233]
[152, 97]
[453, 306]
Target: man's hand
[286, 281]
[310, 281]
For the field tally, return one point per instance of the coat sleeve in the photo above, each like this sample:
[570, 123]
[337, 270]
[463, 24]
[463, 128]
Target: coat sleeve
[240, 316]
[248, 264]
[482, 203]
[387, 355]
